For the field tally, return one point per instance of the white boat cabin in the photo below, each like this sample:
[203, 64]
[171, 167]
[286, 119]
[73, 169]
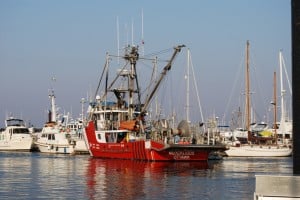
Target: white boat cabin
[14, 127]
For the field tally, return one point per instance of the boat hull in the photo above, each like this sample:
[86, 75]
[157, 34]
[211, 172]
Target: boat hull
[22, 144]
[80, 147]
[55, 149]
[259, 151]
[137, 151]
[148, 150]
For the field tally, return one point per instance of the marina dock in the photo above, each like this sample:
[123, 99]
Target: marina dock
[277, 187]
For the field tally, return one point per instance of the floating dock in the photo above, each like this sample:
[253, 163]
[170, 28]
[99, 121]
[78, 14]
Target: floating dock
[277, 187]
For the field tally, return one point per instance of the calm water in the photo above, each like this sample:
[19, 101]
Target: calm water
[44, 176]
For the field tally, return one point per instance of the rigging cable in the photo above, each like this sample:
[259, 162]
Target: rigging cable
[104, 69]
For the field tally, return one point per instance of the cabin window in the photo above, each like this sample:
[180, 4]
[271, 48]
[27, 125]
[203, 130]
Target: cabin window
[99, 136]
[51, 137]
[107, 137]
[111, 137]
[21, 130]
[121, 137]
[107, 116]
[115, 117]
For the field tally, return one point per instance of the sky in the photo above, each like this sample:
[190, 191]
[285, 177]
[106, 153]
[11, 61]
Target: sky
[68, 40]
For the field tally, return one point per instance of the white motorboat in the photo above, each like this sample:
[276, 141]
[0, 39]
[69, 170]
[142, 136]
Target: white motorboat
[54, 138]
[15, 136]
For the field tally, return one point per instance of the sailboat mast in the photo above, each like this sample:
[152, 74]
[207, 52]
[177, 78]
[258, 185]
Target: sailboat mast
[188, 87]
[275, 108]
[281, 88]
[247, 90]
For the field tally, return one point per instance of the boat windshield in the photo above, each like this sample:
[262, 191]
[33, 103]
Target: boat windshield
[21, 131]
[259, 127]
[15, 122]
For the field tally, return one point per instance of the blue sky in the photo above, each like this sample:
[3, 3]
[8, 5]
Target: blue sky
[68, 40]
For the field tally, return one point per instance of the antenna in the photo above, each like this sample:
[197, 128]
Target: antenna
[143, 50]
[131, 32]
[126, 29]
[118, 40]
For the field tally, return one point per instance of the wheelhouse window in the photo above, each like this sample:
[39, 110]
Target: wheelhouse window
[113, 136]
[115, 116]
[21, 131]
[107, 116]
[51, 137]
[15, 122]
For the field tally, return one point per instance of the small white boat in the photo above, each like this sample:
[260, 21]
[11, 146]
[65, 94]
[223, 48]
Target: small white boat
[259, 151]
[53, 140]
[15, 136]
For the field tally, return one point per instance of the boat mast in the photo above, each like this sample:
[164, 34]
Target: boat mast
[188, 87]
[247, 92]
[52, 117]
[275, 108]
[156, 99]
[282, 90]
[132, 57]
[53, 109]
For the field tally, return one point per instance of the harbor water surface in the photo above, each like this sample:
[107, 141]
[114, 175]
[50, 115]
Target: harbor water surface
[45, 176]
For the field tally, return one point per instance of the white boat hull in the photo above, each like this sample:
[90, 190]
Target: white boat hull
[81, 147]
[55, 149]
[17, 144]
[259, 151]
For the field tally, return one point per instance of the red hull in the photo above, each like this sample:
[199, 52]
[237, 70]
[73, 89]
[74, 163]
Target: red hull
[147, 150]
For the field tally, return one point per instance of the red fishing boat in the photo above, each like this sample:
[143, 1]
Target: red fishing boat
[119, 129]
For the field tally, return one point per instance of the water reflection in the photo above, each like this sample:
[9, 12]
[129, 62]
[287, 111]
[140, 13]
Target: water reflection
[249, 167]
[127, 179]
[44, 176]
[41, 176]
[14, 171]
